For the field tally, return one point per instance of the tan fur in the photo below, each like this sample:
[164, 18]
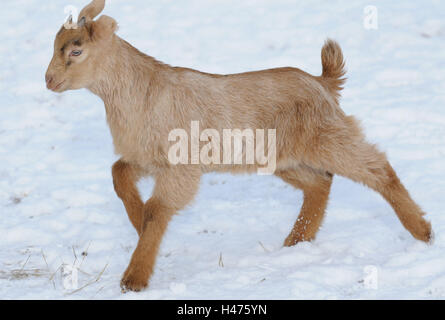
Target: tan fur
[145, 100]
[316, 186]
[92, 10]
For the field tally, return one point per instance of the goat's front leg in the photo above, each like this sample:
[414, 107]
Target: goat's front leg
[174, 189]
[125, 177]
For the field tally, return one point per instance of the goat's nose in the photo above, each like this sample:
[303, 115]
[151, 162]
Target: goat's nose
[49, 79]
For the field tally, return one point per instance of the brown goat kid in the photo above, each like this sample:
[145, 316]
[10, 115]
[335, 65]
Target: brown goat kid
[145, 100]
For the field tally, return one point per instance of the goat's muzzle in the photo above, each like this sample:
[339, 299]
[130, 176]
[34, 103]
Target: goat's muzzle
[51, 84]
[49, 81]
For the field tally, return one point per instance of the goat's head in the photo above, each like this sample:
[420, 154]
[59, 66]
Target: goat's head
[79, 48]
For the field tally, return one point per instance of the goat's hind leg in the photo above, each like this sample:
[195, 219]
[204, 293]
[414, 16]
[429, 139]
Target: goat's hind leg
[125, 177]
[316, 186]
[346, 153]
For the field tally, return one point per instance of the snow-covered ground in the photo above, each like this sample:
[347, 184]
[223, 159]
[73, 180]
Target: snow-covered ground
[58, 206]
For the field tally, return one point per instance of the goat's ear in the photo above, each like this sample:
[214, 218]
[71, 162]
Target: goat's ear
[103, 28]
[92, 10]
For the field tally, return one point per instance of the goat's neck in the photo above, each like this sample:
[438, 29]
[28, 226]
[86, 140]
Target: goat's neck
[123, 78]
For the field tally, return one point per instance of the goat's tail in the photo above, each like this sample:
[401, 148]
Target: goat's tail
[333, 64]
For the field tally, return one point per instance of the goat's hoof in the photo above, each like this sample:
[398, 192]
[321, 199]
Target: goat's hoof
[291, 241]
[132, 281]
[422, 231]
[293, 238]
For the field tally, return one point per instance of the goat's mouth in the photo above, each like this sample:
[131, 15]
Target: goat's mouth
[57, 87]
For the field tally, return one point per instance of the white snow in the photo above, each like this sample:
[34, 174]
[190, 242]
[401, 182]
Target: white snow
[57, 202]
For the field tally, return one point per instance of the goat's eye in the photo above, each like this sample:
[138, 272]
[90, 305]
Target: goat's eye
[76, 53]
